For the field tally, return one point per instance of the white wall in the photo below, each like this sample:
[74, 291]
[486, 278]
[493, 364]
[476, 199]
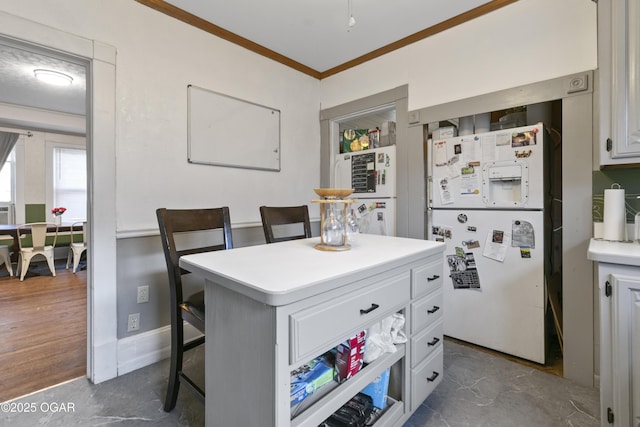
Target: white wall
[157, 57]
[32, 168]
[525, 42]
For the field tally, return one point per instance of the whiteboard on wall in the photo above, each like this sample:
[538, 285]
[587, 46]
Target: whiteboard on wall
[231, 132]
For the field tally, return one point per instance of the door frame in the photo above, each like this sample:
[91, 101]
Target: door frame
[100, 60]
[579, 294]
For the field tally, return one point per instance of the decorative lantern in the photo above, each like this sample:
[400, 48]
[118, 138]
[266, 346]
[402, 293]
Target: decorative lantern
[335, 227]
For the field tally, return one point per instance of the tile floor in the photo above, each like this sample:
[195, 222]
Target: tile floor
[478, 389]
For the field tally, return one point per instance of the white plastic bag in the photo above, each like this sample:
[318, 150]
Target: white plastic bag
[382, 337]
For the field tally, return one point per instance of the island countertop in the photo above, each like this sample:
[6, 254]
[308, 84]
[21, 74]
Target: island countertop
[281, 273]
[626, 253]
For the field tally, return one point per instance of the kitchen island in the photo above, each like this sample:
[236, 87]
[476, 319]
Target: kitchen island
[272, 308]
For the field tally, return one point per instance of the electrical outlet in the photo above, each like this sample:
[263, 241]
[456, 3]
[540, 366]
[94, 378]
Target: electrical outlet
[134, 322]
[143, 294]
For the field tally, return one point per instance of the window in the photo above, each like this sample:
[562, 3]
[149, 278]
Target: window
[7, 192]
[7, 179]
[70, 181]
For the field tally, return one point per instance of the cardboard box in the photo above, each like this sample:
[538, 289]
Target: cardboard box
[310, 377]
[378, 389]
[349, 357]
[444, 132]
[387, 134]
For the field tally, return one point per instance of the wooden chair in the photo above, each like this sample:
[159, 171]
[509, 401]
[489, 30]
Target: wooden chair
[275, 220]
[39, 232]
[191, 228]
[76, 248]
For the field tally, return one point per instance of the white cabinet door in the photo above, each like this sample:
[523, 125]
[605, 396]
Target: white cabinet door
[606, 345]
[619, 53]
[626, 350]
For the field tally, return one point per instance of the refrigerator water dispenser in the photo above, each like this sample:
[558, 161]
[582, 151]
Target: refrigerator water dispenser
[505, 184]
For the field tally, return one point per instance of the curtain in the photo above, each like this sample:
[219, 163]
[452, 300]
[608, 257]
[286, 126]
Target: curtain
[7, 142]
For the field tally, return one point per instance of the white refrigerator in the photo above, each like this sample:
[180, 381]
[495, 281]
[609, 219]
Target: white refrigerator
[487, 204]
[372, 175]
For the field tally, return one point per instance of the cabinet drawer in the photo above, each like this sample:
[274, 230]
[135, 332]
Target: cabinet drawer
[426, 311]
[315, 328]
[425, 342]
[426, 377]
[426, 278]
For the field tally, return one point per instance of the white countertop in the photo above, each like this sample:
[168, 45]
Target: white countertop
[626, 253]
[281, 273]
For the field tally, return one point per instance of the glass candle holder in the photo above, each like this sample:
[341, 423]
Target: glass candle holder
[334, 216]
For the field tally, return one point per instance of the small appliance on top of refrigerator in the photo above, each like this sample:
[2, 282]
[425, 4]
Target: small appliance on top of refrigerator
[487, 204]
[372, 175]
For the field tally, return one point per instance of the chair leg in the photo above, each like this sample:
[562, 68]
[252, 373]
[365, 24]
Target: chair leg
[24, 266]
[51, 264]
[177, 350]
[66, 267]
[76, 259]
[6, 258]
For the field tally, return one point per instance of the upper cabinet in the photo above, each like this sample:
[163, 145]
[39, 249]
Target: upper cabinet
[619, 65]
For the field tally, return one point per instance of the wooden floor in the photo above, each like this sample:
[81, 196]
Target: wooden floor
[43, 330]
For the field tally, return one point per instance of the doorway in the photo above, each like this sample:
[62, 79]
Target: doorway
[500, 172]
[46, 114]
[578, 294]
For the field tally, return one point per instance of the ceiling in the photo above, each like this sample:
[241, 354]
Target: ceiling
[314, 36]
[20, 87]
[310, 36]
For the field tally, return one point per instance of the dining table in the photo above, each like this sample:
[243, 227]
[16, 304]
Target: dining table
[12, 231]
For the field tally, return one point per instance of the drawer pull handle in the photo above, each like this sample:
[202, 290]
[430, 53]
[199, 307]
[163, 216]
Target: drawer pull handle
[433, 342]
[433, 377]
[432, 278]
[433, 310]
[370, 309]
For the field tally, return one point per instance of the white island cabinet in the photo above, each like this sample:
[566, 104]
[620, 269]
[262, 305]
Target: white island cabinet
[619, 300]
[272, 308]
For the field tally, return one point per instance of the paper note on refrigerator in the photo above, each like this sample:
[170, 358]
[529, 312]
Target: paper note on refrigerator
[523, 234]
[488, 148]
[440, 153]
[463, 271]
[495, 247]
[469, 149]
[446, 195]
[469, 181]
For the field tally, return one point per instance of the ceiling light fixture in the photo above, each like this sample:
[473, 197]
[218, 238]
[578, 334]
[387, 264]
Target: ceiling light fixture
[352, 21]
[53, 77]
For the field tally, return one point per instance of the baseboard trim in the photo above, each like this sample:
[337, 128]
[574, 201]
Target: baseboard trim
[146, 348]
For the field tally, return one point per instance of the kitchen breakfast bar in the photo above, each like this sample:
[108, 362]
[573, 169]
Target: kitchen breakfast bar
[272, 308]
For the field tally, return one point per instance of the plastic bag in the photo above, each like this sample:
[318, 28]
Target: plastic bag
[382, 337]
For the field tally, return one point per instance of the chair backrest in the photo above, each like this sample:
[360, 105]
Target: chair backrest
[191, 231]
[272, 217]
[38, 231]
[75, 232]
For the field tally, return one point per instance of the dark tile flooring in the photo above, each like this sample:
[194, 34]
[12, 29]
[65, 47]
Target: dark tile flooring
[478, 389]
